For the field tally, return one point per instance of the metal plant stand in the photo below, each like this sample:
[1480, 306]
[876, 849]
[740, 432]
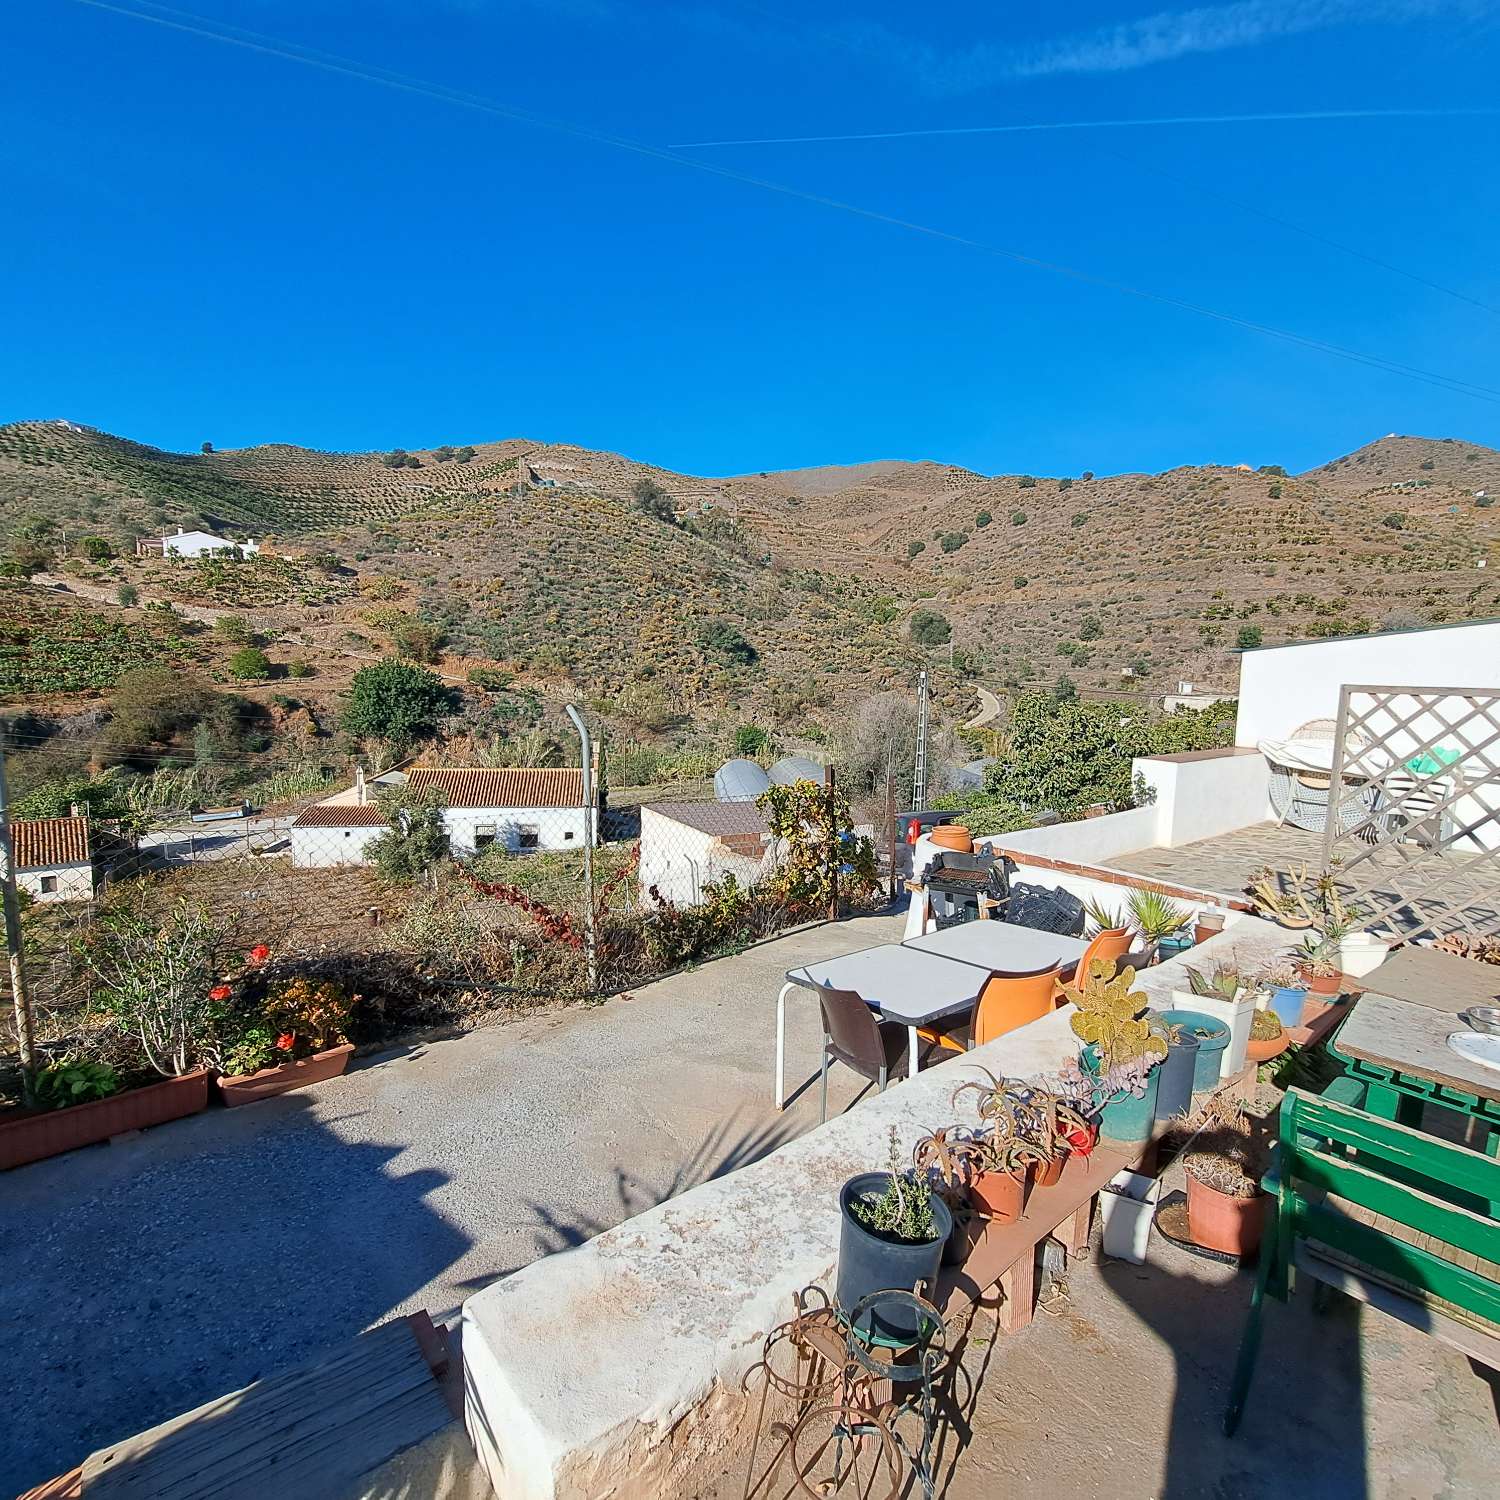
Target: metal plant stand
[849, 1401]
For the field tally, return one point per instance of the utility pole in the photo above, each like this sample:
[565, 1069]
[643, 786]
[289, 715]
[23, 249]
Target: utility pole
[590, 815]
[919, 774]
[20, 999]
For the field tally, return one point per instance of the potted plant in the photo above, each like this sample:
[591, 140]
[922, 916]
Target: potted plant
[1121, 1050]
[891, 1236]
[950, 1159]
[1174, 1088]
[295, 1039]
[1156, 917]
[1268, 1037]
[1318, 966]
[1212, 1038]
[1225, 1202]
[1287, 994]
[1023, 1126]
[1226, 995]
[1208, 923]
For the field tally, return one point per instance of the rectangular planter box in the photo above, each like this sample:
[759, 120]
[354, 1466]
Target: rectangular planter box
[246, 1088]
[58, 1130]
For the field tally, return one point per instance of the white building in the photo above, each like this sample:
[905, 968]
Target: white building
[520, 808]
[517, 807]
[53, 858]
[687, 845]
[195, 544]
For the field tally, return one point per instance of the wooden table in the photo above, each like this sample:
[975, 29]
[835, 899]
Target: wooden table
[901, 982]
[1444, 981]
[1399, 1050]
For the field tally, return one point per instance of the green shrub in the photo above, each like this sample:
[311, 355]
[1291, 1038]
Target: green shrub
[913, 548]
[1065, 484]
[1020, 580]
[395, 700]
[1018, 518]
[1026, 482]
[299, 666]
[652, 500]
[1080, 518]
[1091, 628]
[95, 548]
[983, 518]
[1248, 638]
[1396, 520]
[953, 540]
[726, 640]
[929, 628]
[234, 630]
[249, 664]
[751, 739]
[128, 595]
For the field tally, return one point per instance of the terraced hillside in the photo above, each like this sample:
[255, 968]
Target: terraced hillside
[785, 594]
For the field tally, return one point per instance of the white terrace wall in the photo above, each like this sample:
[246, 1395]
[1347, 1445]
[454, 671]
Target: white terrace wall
[1282, 687]
[613, 1370]
[556, 827]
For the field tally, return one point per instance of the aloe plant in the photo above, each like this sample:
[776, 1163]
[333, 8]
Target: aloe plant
[1156, 916]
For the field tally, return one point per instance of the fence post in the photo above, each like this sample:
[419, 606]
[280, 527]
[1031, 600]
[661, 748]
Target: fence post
[830, 785]
[590, 914]
[20, 996]
[890, 827]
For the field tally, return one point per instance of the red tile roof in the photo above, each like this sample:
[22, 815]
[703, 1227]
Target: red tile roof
[336, 815]
[501, 786]
[42, 842]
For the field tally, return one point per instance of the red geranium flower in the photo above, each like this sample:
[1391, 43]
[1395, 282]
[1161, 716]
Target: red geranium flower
[258, 954]
[220, 992]
[286, 1041]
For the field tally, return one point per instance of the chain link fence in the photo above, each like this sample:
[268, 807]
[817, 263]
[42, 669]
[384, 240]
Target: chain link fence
[439, 912]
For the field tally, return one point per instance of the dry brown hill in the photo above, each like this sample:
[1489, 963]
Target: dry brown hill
[537, 556]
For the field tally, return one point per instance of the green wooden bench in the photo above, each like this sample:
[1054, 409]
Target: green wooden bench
[1385, 1214]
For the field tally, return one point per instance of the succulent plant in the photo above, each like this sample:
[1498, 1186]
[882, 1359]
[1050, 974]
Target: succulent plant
[1265, 1026]
[952, 1154]
[1156, 916]
[1223, 984]
[1295, 899]
[1110, 1016]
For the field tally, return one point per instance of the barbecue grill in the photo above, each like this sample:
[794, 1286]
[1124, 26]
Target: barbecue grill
[956, 883]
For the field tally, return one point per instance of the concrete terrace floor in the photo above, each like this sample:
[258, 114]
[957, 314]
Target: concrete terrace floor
[146, 1277]
[1224, 864]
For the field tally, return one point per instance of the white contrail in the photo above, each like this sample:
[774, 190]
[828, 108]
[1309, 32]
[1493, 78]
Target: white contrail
[904, 135]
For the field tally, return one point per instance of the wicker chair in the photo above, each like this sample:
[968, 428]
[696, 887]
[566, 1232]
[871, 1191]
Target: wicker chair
[1301, 797]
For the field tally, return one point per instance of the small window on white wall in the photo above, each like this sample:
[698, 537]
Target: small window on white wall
[529, 836]
[484, 835]
[567, 836]
[49, 884]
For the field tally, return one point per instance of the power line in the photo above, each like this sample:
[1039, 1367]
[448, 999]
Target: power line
[329, 62]
[1026, 127]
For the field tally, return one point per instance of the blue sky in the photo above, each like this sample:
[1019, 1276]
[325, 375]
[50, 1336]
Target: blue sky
[209, 242]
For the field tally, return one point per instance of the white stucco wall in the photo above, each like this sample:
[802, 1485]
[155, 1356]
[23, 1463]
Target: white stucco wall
[1282, 687]
[75, 882]
[557, 827]
[316, 848]
[1202, 799]
[680, 860]
[1089, 840]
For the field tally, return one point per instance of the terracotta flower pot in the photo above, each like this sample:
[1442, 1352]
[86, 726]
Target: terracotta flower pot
[953, 836]
[1266, 1049]
[246, 1088]
[1322, 984]
[999, 1196]
[35, 1136]
[1217, 1221]
[1049, 1173]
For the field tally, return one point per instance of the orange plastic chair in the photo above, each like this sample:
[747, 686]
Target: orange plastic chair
[1006, 1002]
[1113, 942]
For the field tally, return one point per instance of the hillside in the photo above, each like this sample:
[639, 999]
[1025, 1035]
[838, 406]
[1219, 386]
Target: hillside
[780, 595]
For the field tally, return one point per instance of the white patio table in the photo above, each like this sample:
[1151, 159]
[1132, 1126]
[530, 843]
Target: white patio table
[896, 979]
[1001, 947]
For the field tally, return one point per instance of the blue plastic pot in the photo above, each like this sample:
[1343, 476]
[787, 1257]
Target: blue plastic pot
[1288, 1004]
[1174, 1089]
[1209, 1057]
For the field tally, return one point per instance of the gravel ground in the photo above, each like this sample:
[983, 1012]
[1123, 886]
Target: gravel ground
[145, 1277]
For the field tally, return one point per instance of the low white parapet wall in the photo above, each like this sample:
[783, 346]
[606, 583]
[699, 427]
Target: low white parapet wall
[612, 1371]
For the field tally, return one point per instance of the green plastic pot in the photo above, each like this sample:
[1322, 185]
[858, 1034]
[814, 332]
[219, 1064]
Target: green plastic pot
[1210, 1048]
[1126, 1118]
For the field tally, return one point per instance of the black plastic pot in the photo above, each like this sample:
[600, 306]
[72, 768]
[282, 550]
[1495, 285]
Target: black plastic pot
[1174, 1094]
[869, 1263]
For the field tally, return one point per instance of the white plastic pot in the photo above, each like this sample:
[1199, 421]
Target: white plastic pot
[1362, 953]
[1127, 1204]
[1236, 1014]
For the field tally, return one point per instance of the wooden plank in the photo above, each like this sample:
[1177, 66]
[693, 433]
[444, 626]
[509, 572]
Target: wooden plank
[1417, 1314]
[1442, 981]
[302, 1435]
[1412, 1039]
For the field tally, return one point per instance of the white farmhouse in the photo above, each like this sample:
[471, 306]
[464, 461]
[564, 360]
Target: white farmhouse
[194, 544]
[687, 845]
[53, 858]
[517, 807]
